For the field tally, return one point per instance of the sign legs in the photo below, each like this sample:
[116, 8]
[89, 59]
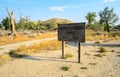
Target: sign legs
[79, 54]
[62, 49]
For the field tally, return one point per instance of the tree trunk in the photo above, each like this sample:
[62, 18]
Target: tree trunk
[12, 21]
[107, 27]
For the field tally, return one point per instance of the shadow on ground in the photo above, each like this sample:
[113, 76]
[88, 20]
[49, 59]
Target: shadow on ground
[93, 44]
[44, 58]
[38, 58]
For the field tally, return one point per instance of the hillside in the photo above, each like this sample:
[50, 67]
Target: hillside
[57, 21]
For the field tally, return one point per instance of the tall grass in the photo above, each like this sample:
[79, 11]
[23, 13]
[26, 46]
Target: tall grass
[38, 47]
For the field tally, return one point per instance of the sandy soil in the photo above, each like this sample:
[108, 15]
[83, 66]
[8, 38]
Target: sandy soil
[49, 63]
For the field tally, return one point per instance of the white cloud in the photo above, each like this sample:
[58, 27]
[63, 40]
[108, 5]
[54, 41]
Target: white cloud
[57, 8]
[62, 8]
[105, 1]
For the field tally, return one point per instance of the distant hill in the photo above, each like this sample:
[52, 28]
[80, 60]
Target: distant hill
[56, 21]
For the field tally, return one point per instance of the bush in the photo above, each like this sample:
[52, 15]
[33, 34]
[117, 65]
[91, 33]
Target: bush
[97, 42]
[65, 68]
[83, 67]
[102, 50]
[15, 55]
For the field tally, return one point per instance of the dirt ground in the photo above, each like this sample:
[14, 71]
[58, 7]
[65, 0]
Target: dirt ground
[49, 63]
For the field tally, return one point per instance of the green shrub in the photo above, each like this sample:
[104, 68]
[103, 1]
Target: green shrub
[65, 68]
[102, 50]
[15, 55]
[83, 67]
[97, 42]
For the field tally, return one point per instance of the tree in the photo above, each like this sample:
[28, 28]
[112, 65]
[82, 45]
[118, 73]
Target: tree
[40, 25]
[107, 18]
[90, 18]
[6, 23]
[21, 24]
[31, 25]
[12, 21]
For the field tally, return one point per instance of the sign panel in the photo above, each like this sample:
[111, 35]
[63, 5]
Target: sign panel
[71, 32]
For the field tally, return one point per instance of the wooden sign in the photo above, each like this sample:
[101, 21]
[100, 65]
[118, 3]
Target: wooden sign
[71, 32]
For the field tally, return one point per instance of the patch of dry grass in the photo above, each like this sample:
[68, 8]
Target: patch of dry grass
[35, 47]
[92, 35]
[4, 58]
[68, 55]
[23, 51]
[21, 37]
[102, 50]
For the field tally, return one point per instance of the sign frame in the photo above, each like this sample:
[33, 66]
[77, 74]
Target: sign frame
[71, 32]
[67, 32]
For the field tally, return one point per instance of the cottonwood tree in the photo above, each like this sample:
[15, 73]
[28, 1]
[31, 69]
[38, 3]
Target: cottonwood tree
[107, 18]
[12, 21]
[90, 18]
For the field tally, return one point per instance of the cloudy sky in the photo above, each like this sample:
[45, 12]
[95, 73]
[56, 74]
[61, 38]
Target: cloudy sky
[74, 10]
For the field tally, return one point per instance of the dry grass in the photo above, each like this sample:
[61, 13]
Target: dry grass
[4, 58]
[21, 37]
[23, 51]
[38, 47]
[92, 35]
[68, 55]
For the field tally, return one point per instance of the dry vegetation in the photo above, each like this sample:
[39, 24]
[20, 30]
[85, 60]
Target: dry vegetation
[90, 36]
[7, 39]
[23, 51]
[49, 45]
[93, 36]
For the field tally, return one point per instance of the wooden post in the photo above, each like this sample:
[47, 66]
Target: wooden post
[62, 49]
[79, 54]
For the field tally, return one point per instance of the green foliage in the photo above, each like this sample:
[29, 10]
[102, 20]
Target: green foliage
[102, 50]
[91, 19]
[116, 28]
[84, 68]
[65, 68]
[51, 25]
[21, 24]
[31, 25]
[40, 26]
[107, 18]
[97, 42]
[6, 23]
[15, 55]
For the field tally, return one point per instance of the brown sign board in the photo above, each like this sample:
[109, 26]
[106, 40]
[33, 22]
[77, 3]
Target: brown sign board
[71, 32]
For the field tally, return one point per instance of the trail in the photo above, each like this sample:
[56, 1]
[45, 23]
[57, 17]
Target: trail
[8, 47]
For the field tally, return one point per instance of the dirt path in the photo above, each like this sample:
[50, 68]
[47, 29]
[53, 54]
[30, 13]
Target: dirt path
[48, 64]
[8, 47]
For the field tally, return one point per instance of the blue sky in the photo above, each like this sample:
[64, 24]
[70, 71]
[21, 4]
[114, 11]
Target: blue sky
[74, 10]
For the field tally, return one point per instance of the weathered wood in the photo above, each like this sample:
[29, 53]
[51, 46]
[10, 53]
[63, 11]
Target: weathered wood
[12, 21]
[63, 49]
[79, 53]
[71, 32]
